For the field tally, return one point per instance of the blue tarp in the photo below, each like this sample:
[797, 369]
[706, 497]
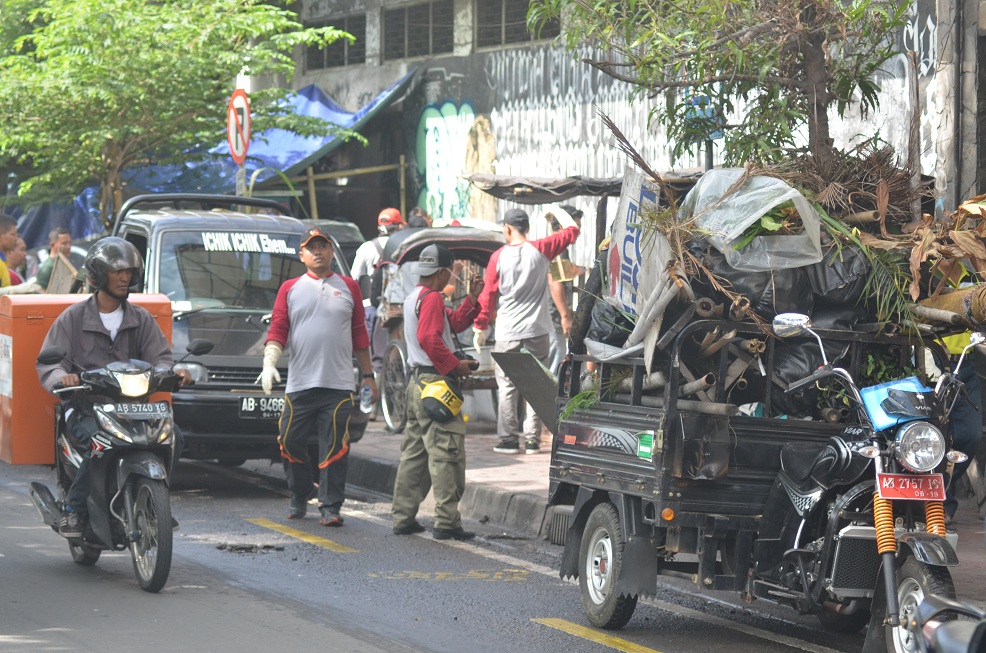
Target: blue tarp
[274, 150]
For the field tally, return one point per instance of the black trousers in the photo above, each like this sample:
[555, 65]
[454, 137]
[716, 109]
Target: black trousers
[322, 413]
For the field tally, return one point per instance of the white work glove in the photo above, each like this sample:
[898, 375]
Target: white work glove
[22, 289]
[269, 376]
[478, 338]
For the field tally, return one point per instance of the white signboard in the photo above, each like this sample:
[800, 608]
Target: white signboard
[6, 366]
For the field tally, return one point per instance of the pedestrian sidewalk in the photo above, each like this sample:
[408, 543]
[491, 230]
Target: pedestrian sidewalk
[511, 491]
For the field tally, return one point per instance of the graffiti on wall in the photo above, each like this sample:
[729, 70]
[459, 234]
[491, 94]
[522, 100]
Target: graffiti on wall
[440, 150]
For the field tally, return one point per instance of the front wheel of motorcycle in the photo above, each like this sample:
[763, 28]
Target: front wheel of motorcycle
[152, 539]
[83, 554]
[915, 580]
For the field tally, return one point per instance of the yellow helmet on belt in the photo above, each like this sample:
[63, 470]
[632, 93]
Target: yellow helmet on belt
[441, 399]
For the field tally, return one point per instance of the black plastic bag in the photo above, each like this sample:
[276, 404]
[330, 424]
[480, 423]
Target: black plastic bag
[608, 325]
[794, 360]
[840, 277]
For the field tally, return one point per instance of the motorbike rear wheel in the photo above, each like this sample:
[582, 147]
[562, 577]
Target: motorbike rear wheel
[600, 562]
[83, 554]
[151, 547]
[915, 580]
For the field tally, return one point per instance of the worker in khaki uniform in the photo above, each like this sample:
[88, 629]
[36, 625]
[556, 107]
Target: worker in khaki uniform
[433, 452]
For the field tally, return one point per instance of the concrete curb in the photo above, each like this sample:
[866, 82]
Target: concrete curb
[516, 511]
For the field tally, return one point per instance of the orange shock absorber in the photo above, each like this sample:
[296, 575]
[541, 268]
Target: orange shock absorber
[883, 520]
[934, 517]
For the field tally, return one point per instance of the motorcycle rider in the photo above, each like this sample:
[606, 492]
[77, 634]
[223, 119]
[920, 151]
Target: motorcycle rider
[93, 333]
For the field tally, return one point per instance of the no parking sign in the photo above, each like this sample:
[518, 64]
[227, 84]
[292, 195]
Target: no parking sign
[238, 126]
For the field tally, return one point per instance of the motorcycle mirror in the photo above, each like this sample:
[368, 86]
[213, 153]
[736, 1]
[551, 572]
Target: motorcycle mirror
[199, 347]
[978, 338]
[51, 356]
[788, 325]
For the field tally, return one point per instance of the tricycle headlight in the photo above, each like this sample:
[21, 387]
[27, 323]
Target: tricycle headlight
[133, 385]
[920, 446]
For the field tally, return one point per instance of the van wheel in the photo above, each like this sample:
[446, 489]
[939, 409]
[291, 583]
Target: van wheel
[600, 562]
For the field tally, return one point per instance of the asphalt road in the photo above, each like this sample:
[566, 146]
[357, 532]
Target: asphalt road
[245, 579]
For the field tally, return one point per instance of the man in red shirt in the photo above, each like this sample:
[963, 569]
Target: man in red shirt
[433, 454]
[312, 315]
[517, 293]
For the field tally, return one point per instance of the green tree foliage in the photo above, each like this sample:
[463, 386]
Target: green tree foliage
[89, 88]
[770, 67]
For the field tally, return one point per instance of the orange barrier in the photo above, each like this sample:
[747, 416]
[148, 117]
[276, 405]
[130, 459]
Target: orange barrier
[27, 411]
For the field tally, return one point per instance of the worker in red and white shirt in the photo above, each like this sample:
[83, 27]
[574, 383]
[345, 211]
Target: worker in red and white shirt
[312, 316]
[433, 454]
[516, 291]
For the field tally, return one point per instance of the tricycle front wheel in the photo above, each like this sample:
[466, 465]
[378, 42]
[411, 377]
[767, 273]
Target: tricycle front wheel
[600, 562]
[915, 580]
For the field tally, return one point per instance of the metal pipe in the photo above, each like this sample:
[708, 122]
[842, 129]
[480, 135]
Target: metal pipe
[718, 344]
[683, 320]
[709, 338]
[704, 407]
[741, 383]
[937, 314]
[702, 383]
[739, 309]
[705, 307]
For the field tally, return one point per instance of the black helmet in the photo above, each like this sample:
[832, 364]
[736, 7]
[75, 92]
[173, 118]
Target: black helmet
[111, 255]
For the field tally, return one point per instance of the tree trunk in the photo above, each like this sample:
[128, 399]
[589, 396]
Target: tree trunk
[816, 75]
[111, 185]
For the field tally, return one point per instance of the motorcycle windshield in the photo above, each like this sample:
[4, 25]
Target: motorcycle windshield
[907, 403]
[227, 270]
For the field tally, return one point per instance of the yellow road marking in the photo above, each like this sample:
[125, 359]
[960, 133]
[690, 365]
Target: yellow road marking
[302, 535]
[594, 636]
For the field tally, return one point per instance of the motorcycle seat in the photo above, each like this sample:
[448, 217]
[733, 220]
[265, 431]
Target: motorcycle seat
[798, 459]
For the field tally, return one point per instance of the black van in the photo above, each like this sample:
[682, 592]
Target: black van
[221, 260]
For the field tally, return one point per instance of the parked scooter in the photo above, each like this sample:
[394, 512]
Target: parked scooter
[874, 492]
[130, 464]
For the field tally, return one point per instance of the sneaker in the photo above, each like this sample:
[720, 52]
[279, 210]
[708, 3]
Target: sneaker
[330, 518]
[298, 510]
[70, 525]
[532, 446]
[456, 533]
[507, 446]
[410, 529]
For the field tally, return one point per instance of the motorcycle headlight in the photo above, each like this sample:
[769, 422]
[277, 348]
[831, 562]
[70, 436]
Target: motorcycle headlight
[920, 446]
[109, 425]
[133, 385]
[200, 373]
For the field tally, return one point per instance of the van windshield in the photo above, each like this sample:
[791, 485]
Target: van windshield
[227, 269]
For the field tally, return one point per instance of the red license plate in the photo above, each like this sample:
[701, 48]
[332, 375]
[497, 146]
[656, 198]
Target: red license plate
[911, 487]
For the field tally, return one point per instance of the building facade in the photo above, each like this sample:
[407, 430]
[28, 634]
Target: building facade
[491, 97]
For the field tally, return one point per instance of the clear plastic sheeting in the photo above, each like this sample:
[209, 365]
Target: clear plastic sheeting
[727, 218]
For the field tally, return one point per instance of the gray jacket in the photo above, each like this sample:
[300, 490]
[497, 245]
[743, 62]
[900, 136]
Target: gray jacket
[80, 332]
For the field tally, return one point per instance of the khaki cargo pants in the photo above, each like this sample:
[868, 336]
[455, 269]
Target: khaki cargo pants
[433, 456]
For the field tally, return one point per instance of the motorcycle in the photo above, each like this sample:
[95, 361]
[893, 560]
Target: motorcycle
[875, 492]
[130, 464]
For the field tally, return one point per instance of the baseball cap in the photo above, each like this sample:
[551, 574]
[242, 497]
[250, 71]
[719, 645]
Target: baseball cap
[389, 218]
[516, 218]
[314, 232]
[432, 259]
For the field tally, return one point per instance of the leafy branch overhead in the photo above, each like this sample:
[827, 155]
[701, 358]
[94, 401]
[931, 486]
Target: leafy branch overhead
[769, 68]
[93, 87]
